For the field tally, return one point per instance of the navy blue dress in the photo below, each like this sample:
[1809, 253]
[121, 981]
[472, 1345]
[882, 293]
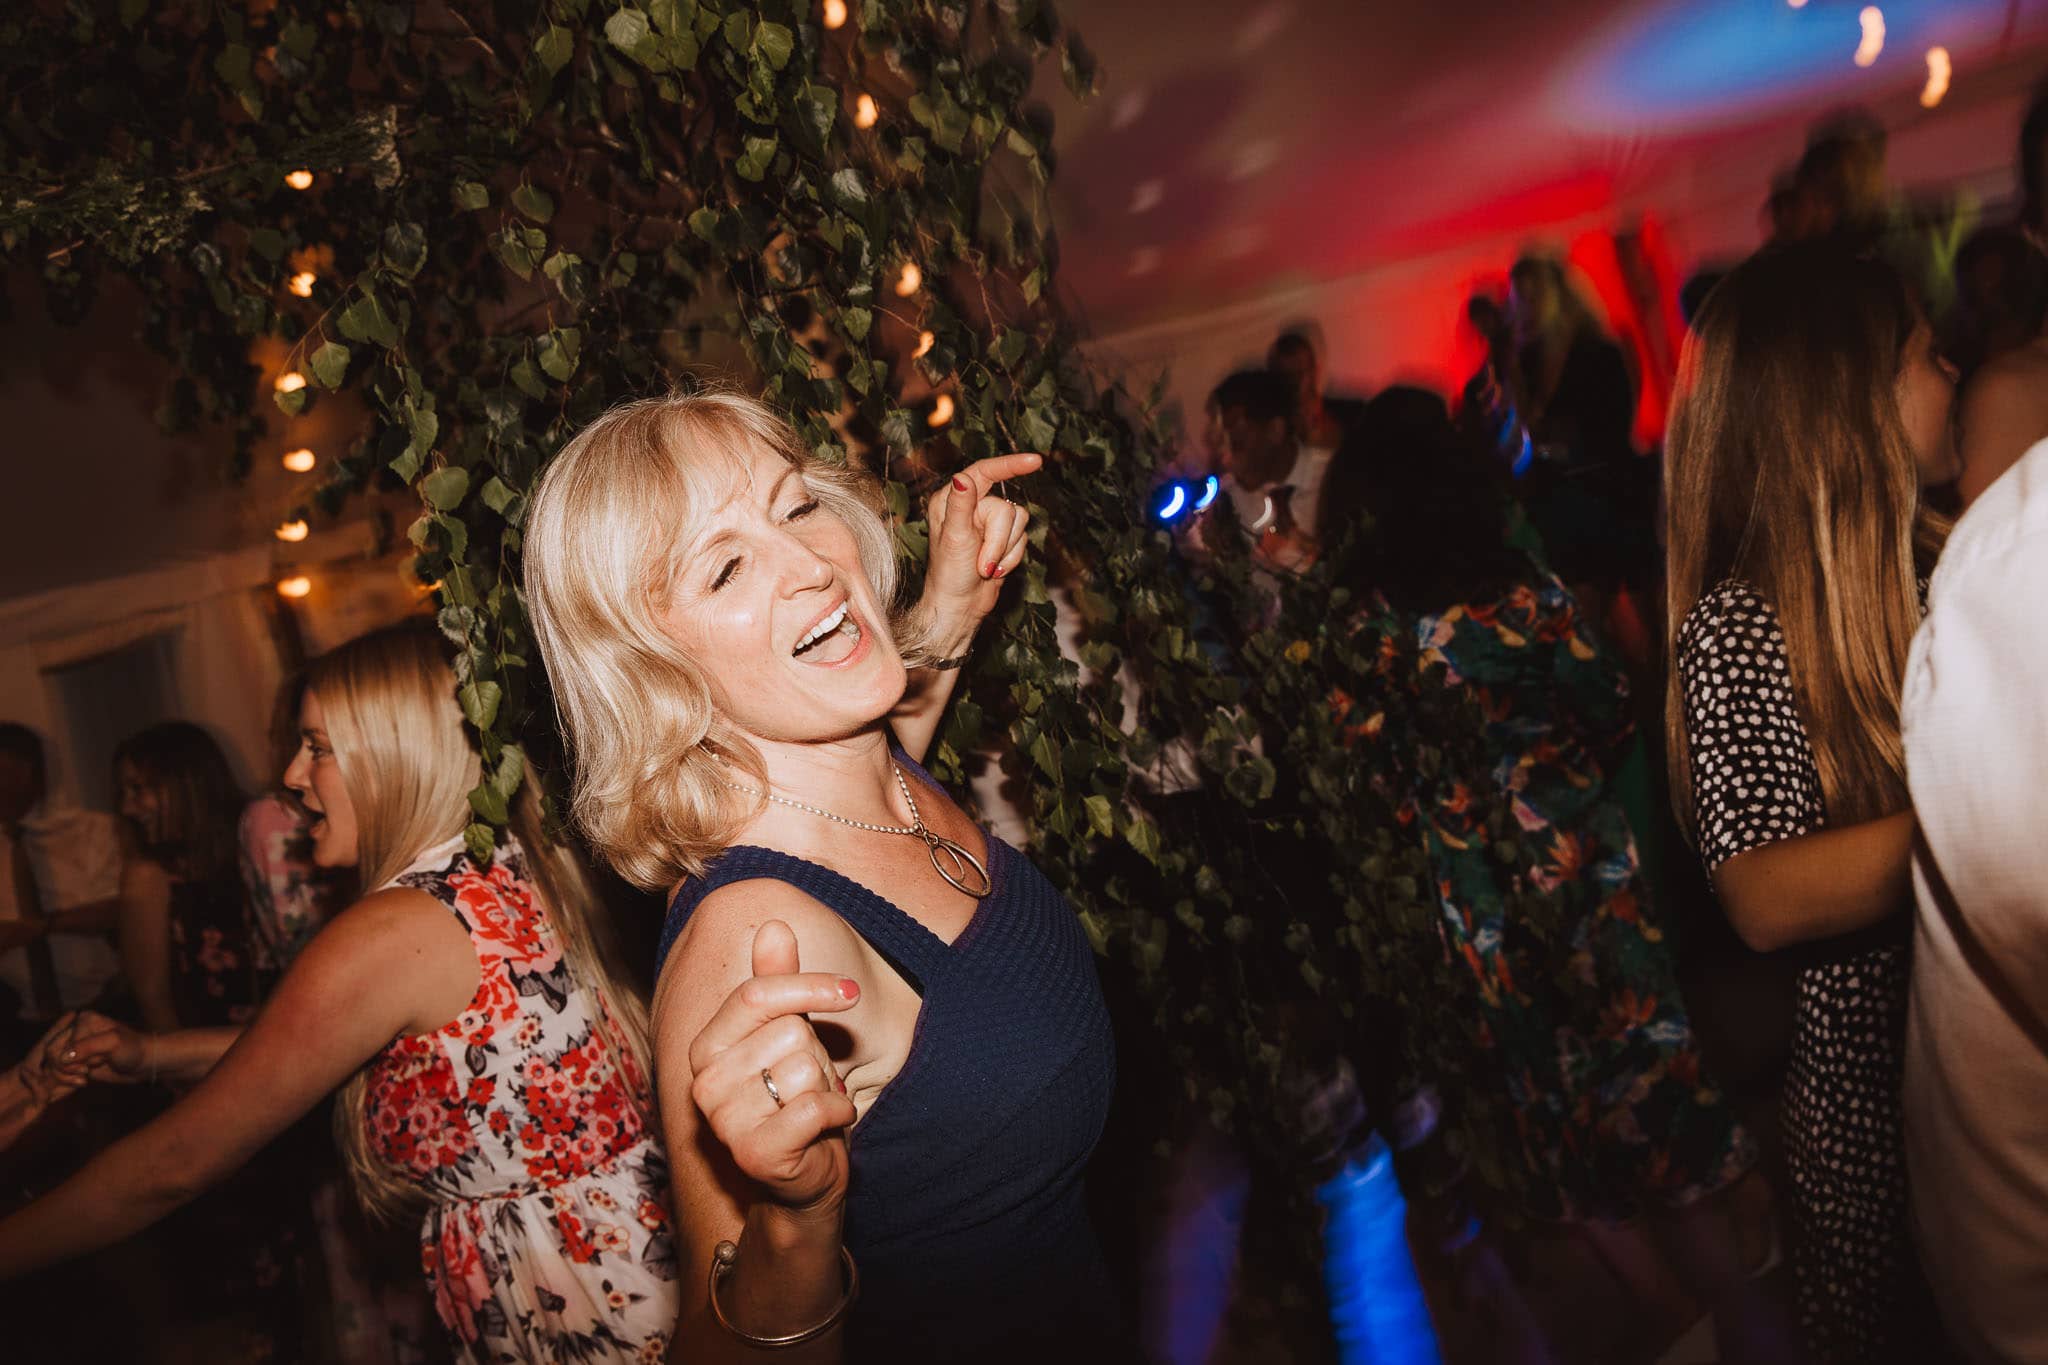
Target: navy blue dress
[965, 1206]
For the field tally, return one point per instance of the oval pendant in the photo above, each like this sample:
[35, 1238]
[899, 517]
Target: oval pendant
[961, 860]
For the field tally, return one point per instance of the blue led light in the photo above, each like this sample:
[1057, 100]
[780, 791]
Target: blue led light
[1174, 503]
[1680, 64]
[1209, 490]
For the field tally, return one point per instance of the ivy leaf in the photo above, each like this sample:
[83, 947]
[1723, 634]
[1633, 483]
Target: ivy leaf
[855, 322]
[405, 249]
[817, 110]
[847, 189]
[293, 402]
[511, 770]
[481, 840]
[773, 44]
[330, 365]
[1101, 816]
[738, 31]
[626, 29]
[525, 376]
[704, 222]
[366, 320]
[503, 499]
[754, 158]
[555, 48]
[1037, 429]
[534, 202]
[1144, 836]
[424, 426]
[510, 246]
[558, 351]
[480, 702]
[444, 489]
[471, 195]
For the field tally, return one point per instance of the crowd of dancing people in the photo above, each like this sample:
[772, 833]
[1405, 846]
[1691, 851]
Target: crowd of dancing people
[845, 1107]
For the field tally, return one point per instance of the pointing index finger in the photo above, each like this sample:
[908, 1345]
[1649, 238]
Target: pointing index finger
[986, 474]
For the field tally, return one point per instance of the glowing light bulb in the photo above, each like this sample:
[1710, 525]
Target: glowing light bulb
[865, 112]
[302, 284]
[1938, 72]
[835, 13]
[300, 180]
[300, 461]
[925, 342]
[942, 410]
[293, 531]
[291, 381]
[298, 585]
[1872, 20]
[910, 280]
[1796, 4]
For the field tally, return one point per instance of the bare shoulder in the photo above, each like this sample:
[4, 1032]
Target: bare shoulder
[398, 944]
[714, 952]
[387, 926]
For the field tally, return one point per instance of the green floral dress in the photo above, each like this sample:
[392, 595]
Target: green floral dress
[1573, 997]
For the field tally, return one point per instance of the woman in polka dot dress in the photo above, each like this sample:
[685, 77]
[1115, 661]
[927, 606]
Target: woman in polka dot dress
[1812, 414]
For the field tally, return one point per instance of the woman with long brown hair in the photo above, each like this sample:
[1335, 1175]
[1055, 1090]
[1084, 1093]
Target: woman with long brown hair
[489, 1057]
[1810, 415]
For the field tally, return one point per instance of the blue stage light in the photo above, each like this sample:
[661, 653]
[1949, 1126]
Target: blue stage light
[1177, 498]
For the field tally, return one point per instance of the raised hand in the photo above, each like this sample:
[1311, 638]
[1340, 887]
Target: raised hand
[766, 1085]
[976, 539]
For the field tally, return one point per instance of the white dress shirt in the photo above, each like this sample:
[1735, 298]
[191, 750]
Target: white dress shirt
[1975, 717]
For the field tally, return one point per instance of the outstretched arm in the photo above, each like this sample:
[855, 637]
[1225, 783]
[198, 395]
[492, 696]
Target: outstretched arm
[976, 540]
[396, 963]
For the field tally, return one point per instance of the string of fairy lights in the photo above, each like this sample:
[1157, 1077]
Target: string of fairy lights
[299, 459]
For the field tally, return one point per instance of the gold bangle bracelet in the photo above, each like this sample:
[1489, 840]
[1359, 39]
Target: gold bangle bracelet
[727, 1255]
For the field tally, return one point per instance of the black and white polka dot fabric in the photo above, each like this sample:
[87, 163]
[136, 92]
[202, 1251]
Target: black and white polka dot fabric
[1753, 782]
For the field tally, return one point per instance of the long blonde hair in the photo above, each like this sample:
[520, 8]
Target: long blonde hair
[602, 548]
[1788, 466]
[409, 765]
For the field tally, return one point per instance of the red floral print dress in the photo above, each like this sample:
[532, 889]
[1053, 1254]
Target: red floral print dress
[548, 1238]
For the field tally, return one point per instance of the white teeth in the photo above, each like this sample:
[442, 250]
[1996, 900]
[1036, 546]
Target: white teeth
[821, 630]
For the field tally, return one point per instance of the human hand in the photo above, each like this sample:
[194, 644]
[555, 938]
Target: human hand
[102, 1049]
[41, 1075]
[794, 1146]
[976, 540]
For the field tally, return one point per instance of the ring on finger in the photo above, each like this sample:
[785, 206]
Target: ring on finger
[768, 1079]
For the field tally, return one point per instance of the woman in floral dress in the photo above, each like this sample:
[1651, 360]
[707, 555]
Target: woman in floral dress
[487, 1053]
[1481, 657]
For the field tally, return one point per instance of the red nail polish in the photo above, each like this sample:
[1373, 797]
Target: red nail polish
[989, 571]
[1000, 572]
[959, 483]
[849, 989]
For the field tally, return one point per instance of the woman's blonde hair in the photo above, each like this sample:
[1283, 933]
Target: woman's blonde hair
[1788, 466]
[408, 764]
[605, 540]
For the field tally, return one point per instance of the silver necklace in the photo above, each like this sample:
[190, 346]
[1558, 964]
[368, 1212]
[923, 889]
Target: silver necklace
[949, 859]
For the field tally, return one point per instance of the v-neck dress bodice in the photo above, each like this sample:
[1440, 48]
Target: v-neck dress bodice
[965, 1206]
